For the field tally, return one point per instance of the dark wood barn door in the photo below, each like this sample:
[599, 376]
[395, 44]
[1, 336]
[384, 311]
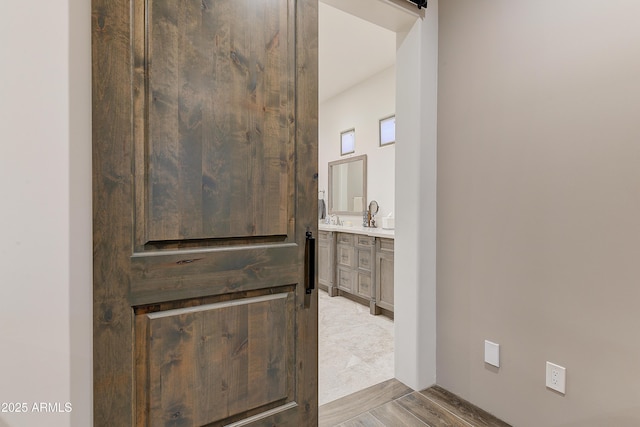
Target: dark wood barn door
[205, 192]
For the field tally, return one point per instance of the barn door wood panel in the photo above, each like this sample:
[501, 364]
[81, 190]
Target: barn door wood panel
[205, 170]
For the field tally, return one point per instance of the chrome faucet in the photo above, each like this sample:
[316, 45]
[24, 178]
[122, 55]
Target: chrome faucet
[335, 219]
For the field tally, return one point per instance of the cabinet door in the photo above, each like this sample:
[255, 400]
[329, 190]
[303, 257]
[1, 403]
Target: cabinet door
[325, 259]
[365, 259]
[384, 274]
[345, 255]
[364, 286]
[344, 278]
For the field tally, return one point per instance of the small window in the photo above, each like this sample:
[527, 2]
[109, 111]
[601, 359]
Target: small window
[347, 142]
[388, 130]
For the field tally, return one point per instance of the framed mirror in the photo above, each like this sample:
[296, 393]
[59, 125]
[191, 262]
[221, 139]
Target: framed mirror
[348, 186]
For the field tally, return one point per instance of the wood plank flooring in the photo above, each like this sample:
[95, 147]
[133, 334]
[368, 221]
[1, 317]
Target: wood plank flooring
[392, 404]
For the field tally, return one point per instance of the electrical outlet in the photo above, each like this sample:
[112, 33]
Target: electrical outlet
[556, 377]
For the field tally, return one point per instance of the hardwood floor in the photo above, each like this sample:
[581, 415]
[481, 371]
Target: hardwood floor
[392, 404]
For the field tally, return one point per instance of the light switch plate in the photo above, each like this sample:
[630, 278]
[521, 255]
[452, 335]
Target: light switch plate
[492, 353]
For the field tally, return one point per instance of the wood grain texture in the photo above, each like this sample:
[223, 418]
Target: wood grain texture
[220, 153]
[338, 411]
[209, 362]
[211, 378]
[363, 420]
[434, 407]
[306, 190]
[112, 324]
[392, 414]
[205, 182]
[465, 410]
[166, 276]
[429, 412]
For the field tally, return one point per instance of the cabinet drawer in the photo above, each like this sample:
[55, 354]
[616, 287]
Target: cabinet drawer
[345, 238]
[365, 240]
[345, 279]
[365, 261]
[345, 255]
[324, 235]
[386, 245]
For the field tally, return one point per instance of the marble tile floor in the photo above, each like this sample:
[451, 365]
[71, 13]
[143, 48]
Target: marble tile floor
[355, 349]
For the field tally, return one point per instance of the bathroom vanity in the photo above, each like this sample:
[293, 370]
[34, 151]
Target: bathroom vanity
[357, 262]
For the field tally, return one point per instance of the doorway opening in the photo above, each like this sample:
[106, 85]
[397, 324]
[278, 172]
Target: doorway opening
[357, 89]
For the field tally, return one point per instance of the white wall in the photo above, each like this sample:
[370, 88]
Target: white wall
[361, 107]
[539, 207]
[415, 236]
[45, 185]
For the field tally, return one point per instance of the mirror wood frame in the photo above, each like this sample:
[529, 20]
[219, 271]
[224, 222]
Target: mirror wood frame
[363, 158]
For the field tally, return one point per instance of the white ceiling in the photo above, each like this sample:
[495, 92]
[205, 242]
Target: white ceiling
[350, 50]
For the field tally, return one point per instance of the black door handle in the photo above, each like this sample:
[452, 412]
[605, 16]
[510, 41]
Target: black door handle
[310, 263]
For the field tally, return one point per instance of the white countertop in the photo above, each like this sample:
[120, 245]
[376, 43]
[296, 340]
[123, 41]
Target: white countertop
[358, 229]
